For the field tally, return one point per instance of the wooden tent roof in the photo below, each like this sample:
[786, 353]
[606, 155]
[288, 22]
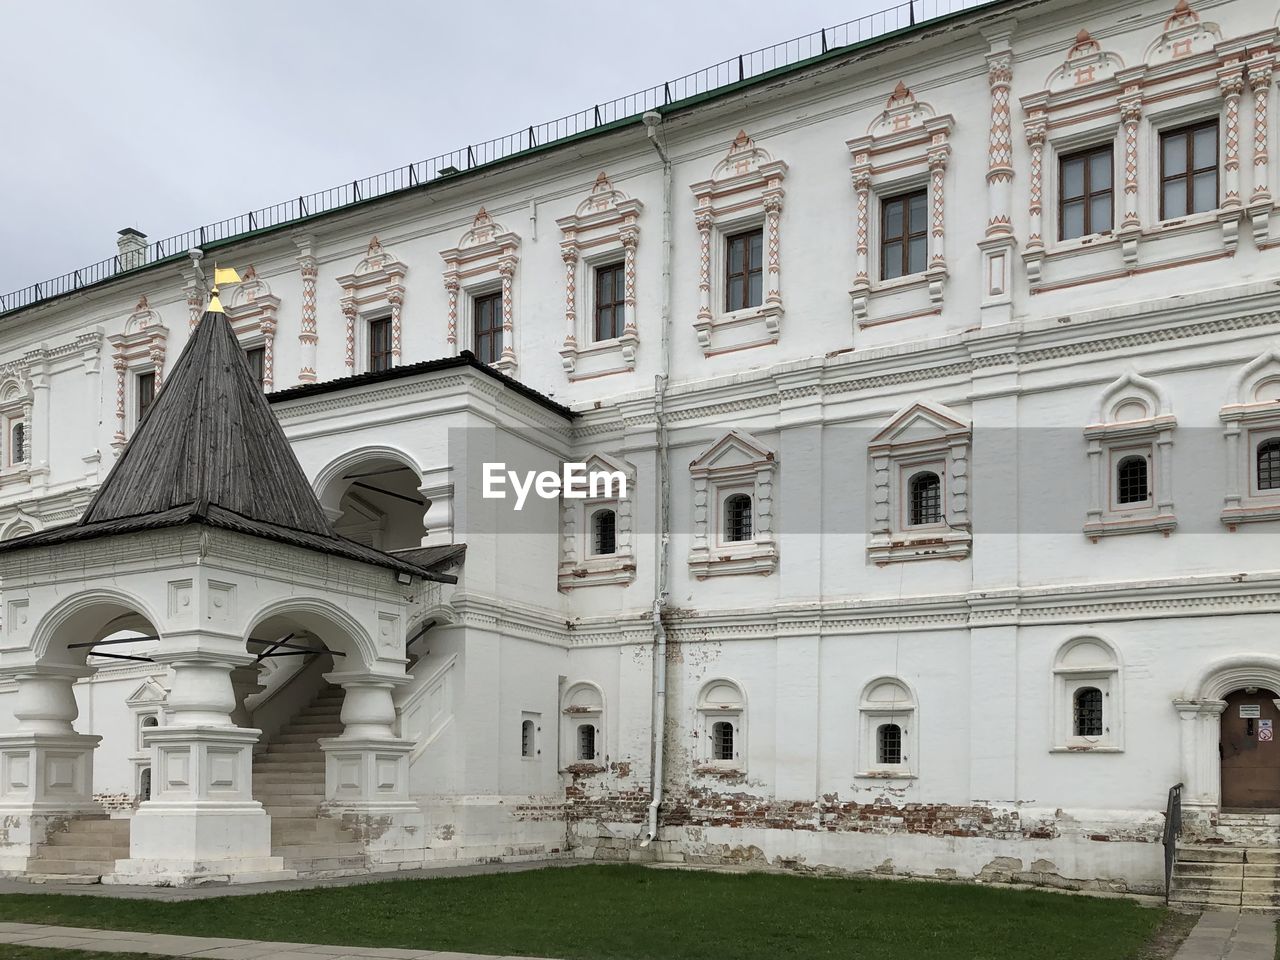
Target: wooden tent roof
[210, 451]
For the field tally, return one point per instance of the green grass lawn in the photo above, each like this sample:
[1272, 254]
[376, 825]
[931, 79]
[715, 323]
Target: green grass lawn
[602, 912]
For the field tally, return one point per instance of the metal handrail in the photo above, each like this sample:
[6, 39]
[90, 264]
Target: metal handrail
[1172, 829]
[672, 93]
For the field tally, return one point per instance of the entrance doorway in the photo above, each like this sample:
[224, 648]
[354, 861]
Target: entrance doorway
[1250, 751]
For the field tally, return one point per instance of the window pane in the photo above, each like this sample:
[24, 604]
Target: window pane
[1131, 480]
[1100, 213]
[892, 260]
[1073, 219]
[893, 219]
[619, 284]
[757, 248]
[754, 297]
[1088, 712]
[1175, 154]
[916, 217]
[735, 254]
[1205, 191]
[1072, 178]
[1205, 149]
[1175, 199]
[916, 251]
[736, 299]
[1100, 171]
[1269, 465]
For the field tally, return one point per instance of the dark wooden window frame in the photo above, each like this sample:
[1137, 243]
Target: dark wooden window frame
[1189, 130]
[908, 234]
[613, 306]
[144, 397]
[1086, 154]
[493, 329]
[379, 344]
[746, 272]
[256, 356]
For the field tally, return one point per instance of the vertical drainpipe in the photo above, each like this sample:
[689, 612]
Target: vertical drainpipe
[662, 532]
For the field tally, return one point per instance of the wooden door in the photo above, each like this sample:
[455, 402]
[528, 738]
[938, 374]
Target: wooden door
[1250, 752]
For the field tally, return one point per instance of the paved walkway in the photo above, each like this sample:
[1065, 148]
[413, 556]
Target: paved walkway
[1224, 935]
[214, 948]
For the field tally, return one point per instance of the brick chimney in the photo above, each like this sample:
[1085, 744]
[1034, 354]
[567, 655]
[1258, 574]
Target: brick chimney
[133, 248]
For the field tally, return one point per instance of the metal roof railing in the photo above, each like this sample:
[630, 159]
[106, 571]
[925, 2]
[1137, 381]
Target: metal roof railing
[744, 67]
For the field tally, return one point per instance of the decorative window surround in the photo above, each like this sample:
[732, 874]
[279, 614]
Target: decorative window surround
[376, 286]
[745, 191]
[582, 705]
[736, 463]
[141, 347]
[1087, 662]
[1133, 416]
[308, 335]
[887, 700]
[922, 436]
[578, 566]
[16, 407]
[1250, 416]
[905, 147]
[251, 310]
[721, 701]
[1260, 70]
[604, 228]
[484, 259]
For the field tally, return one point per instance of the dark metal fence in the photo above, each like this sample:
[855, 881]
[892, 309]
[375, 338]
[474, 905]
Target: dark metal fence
[1172, 828]
[746, 66]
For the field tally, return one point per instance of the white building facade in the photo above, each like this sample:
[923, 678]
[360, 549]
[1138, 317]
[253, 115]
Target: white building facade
[943, 373]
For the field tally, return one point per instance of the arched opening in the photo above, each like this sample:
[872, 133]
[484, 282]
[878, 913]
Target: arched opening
[1250, 756]
[1132, 480]
[737, 518]
[375, 500]
[925, 499]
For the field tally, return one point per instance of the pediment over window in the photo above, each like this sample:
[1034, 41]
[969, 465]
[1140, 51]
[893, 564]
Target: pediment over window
[1131, 398]
[732, 451]
[902, 112]
[744, 159]
[921, 421]
[1258, 382]
[1086, 63]
[1184, 35]
[149, 692]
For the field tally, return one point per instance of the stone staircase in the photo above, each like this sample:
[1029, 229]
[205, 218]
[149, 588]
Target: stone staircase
[288, 778]
[1247, 878]
[82, 853]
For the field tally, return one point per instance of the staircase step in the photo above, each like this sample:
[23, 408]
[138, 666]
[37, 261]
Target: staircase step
[285, 812]
[315, 865]
[1206, 898]
[1195, 869]
[1264, 855]
[1210, 854]
[1193, 884]
[291, 761]
[49, 851]
[91, 868]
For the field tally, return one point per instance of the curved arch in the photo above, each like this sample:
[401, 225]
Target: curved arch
[1232, 673]
[323, 619]
[723, 703]
[88, 612]
[572, 699]
[326, 484]
[20, 526]
[867, 703]
[1073, 654]
[1132, 383]
[1244, 383]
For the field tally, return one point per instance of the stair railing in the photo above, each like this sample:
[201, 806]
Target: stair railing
[1172, 828]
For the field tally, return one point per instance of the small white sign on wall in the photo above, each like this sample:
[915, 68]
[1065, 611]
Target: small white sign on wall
[1250, 711]
[1265, 733]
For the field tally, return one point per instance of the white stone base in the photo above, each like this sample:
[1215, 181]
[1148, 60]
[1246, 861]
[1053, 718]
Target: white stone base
[195, 873]
[24, 831]
[180, 843]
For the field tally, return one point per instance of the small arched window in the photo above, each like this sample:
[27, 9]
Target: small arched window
[604, 533]
[586, 742]
[18, 444]
[722, 740]
[925, 495]
[1131, 480]
[1269, 464]
[737, 518]
[526, 738]
[144, 783]
[889, 744]
[1088, 712]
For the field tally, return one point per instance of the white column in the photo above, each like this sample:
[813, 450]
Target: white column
[862, 269]
[1201, 726]
[201, 820]
[367, 765]
[702, 326]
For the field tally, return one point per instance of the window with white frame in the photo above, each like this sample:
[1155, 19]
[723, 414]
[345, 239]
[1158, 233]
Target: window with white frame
[738, 214]
[1087, 711]
[479, 277]
[722, 730]
[1129, 446]
[919, 477]
[146, 721]
[138, 358]
[733, 507]
[598, 247]
[596, 536]
[582, 725]
[15, 411]
[1251, 428]
[372, 302]
[529, 731]
[887, 730]
[901, 264]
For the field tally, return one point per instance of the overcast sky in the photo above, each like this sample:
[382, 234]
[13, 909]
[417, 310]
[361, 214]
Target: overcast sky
[167, 114]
